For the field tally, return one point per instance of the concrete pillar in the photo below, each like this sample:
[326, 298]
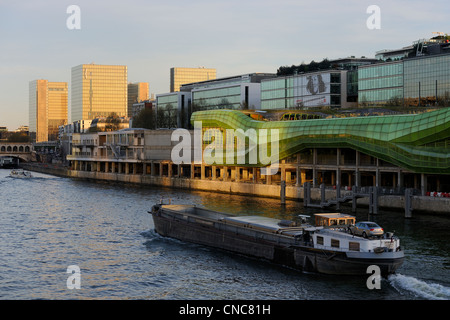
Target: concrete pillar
[225, 173]
[400, 179]
[113, 167]
[98, 166]
[237, 174]
[298, 177]
[152, 168]
[268, 179]
[127, 168]
[106, 166]
[214, 173]
[192, 171]
[423, 184]
[314, 177]
[254, 175]
[169, 170]
[202, 168]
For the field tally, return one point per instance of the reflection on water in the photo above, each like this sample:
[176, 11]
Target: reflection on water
[49, 223]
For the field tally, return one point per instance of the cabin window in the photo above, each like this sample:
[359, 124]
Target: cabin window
[353, 246]
[319, 240]
[334, 243]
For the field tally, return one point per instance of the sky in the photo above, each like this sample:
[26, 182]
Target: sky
[234, 37]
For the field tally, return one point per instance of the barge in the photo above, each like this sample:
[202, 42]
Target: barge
[328, 247]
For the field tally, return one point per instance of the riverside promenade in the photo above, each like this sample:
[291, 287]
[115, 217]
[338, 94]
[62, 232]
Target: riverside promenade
[428, 204]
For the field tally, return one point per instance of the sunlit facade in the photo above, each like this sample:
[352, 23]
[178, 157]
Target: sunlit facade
[180, 76]
[306, 90]
[48, 108]
[137, 92]
[422, 80]
[98, 91]
[380, 82]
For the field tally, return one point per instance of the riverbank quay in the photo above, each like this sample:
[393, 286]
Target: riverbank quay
[429, 204]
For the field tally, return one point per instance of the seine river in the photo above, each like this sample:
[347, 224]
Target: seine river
[49, 223]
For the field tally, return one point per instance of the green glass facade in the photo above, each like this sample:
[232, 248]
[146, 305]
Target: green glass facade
[424, 77]
[227, 97]
[427, 76]
[380, 82]
[419, 143]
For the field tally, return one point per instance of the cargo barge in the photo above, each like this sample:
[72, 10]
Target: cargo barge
[327, 247]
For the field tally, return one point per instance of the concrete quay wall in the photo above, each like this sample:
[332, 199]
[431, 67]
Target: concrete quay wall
[423, 204]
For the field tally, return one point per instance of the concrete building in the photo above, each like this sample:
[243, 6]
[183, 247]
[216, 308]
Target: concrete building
[98, 91]
[48, 109]
[137, 92]
[180, 76]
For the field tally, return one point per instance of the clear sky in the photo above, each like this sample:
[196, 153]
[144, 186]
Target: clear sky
[235, 37]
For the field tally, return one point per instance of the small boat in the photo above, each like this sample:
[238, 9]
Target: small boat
[328, 247]
[19, 173]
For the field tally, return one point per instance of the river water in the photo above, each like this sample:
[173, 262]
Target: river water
[49, 223]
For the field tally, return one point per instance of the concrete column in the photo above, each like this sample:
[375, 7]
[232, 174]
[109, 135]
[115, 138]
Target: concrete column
[192, 171]
[152, 168]
[225, 173]
[98, 166]
[106, 166]
[214, 173]
[298, 177]
[314, 177]
[268, 179]
[161, 169]
[113, 167]
[237, 174]
[254, 175]
[423, 184]
[169, 170]
[202, 168]
[400, 179]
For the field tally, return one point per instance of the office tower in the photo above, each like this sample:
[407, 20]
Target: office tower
[98, 91]
[179, 76]
[137, 92]
[48, 108]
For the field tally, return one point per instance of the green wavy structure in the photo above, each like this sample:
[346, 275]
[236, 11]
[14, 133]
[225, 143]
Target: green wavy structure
[417, 142]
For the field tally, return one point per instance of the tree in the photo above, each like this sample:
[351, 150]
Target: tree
[19, 137]
[145, 119]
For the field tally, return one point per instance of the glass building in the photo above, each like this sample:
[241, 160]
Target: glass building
[172, 110]
[98, 91]
[48, 108]
[180, 76]
[421, 80]
[427, 79]
[380, 82]
[314, 89]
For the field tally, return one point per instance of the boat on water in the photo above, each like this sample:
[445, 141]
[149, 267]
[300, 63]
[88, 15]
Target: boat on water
[328, 247]
[19, 173]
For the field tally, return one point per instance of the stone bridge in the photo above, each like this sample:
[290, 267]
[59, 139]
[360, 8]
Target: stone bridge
[23, 151]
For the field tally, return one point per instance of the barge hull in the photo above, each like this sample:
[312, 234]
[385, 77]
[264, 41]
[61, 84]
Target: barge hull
[302, 258]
